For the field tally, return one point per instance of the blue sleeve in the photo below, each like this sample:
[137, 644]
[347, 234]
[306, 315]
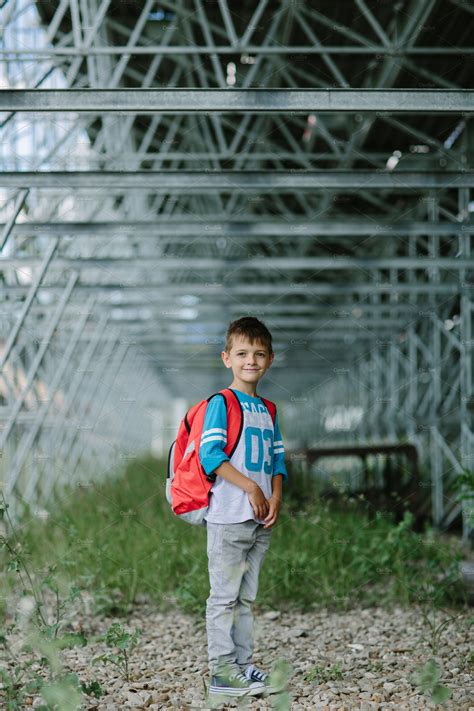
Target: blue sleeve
[278, 452]
[214, 435]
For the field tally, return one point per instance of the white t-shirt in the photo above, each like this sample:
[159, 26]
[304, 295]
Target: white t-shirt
[259, 455]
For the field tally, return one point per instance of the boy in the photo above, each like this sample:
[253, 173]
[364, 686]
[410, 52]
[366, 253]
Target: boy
[244, 505]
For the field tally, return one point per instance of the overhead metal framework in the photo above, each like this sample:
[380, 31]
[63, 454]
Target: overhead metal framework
[167, 167]
[176, 101]
[231, 180]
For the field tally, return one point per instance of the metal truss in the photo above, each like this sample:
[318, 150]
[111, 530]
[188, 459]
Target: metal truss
[167, 168]
[243, 229]
[175, 101]
[229, 181]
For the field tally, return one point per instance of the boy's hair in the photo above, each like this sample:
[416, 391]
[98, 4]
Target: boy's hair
[252, 329]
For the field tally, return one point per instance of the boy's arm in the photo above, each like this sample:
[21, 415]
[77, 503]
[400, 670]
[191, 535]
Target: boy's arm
[277, 486]
[256, 496]
[213, 440]
[214, 436]
[227, 471]
[279, 467]
[216, 462]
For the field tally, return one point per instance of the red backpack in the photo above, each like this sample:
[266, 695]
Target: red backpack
[187, 484]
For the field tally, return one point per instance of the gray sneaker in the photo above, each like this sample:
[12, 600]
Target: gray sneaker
[254, 674]
[235, 683]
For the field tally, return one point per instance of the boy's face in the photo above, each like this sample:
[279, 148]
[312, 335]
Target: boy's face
[249, 362]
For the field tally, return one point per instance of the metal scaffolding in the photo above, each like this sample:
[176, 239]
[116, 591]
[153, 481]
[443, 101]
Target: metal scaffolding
[167, 167]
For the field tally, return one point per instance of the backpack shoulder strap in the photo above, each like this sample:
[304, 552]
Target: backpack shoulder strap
[271, 408]
[191, 414]
[235, 420]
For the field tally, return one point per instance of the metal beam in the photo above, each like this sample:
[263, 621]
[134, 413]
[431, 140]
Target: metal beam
[229, 180]
[7, 228]
[322, 340]
[218, 289]
[146, 101]
[26, 306]
[243, 227]
[27, 53]
[104, 157]
[167, 309]
[33, 369]
[135, 326]
[260, 263]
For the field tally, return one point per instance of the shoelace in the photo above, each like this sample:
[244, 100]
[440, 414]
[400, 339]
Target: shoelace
[260, 676]
[238, 675]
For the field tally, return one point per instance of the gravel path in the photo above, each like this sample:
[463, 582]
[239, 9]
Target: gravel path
[375, 649]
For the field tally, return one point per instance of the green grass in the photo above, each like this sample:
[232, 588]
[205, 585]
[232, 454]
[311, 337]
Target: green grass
[120, 538]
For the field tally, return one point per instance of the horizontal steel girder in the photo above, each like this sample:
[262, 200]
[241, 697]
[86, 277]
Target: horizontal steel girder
[217, 289]
[284, 263]
[353, 310]
[371, 157]
[146, 101]
[229, 180]
[210, 50]
[164, 225]
[320, 340]
[275, 322]
[168, 310]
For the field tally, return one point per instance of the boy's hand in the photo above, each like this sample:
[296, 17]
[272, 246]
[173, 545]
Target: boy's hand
[258, 501]
[274, 503]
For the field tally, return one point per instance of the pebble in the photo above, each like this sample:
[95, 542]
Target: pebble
[377, 650]
[272, 614]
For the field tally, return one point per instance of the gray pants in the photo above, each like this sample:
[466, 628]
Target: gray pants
[235, 554]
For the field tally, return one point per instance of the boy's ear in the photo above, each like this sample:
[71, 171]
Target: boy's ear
[224, 356]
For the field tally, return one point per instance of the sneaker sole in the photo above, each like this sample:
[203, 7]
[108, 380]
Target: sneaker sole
[233, 691]
[275, 689]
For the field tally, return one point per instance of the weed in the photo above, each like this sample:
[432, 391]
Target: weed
[324, 553]
[118, 638]
[41, 642]
[427, 678]
[322, 674]
[353, 558]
